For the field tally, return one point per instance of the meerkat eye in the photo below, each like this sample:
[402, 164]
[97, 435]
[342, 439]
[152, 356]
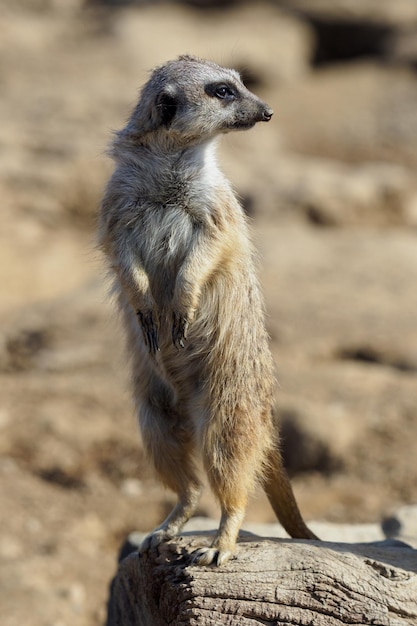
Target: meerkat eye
[221, 91]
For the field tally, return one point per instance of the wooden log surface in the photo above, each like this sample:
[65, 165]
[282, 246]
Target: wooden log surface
[270, 581]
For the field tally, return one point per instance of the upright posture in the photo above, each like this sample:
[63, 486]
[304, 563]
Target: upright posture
[177, 241]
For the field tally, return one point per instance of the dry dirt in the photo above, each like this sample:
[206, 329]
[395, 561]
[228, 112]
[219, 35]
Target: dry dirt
[329, 184]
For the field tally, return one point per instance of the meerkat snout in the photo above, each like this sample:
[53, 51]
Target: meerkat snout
[267, 114]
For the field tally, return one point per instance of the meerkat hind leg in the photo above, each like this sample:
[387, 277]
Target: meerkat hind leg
[169, 442]
[223, 546]
[231, 476]
[171, 526]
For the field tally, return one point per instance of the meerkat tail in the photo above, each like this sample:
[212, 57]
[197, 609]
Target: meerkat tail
[278, 488]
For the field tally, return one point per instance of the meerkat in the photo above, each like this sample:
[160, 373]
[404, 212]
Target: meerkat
[178, 244]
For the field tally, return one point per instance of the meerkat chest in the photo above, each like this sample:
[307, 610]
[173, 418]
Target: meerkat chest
[166, 236]
[180, 212]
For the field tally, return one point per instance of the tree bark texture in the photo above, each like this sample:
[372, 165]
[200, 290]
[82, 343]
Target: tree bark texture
[270, 581]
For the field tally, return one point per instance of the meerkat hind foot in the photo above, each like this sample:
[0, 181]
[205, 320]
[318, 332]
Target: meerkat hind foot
[156, 537]
[208, 556]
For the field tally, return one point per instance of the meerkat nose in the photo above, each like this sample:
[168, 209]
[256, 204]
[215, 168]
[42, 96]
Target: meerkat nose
[267, 114]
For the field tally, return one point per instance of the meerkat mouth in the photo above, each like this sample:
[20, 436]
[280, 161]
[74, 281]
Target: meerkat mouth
[242, 125]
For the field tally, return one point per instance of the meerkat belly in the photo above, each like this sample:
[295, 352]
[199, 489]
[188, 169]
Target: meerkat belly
[213, 337]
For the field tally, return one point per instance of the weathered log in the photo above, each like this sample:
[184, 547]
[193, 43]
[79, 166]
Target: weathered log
[270, 581]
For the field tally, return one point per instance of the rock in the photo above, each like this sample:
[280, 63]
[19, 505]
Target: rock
[348, 30]
[278, 581]
[315, 438]
[399, 357]
[411, 210]
[63, 6]
[330, 193]
[58, 335]
[364, 113]
[403, 46]
[402, 525]
[132, 488]
[400, 13]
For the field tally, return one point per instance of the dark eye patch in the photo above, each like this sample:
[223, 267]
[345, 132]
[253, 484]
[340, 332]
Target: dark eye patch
[222, 91]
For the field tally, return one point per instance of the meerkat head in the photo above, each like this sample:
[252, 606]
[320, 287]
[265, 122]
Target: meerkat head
[191, 100]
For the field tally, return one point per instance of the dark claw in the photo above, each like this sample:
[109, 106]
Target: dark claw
[179, 330]
[149, 331]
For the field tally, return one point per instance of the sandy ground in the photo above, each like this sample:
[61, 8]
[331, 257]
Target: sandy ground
[330, 188]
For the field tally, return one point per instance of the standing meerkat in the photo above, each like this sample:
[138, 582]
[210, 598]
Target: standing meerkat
[177, 241]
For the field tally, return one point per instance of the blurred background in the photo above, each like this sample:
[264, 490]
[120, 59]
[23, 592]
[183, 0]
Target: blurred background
[330, 187]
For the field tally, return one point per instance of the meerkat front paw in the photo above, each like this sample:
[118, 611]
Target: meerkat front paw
[180, 325]
[149, 329]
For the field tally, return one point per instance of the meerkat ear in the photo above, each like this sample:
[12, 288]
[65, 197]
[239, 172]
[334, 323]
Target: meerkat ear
[152, 111]
[166, 104]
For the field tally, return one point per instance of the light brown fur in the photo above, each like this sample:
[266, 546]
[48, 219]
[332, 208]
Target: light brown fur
[178, 243]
